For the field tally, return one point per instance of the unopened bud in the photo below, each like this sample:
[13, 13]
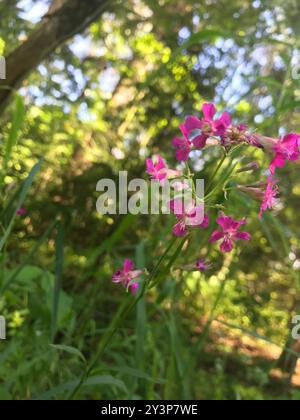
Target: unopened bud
[267, 143]
[253, 166]
[254, 192]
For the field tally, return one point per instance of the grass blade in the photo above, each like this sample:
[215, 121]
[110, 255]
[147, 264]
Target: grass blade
[24, 191]
[59, 242]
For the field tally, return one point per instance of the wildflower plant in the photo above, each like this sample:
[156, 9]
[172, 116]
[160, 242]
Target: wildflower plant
[200, 133]
[192, 213]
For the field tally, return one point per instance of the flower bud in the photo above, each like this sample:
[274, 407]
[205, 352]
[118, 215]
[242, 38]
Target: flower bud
[253, 166]
[254, 192]
[267, 143]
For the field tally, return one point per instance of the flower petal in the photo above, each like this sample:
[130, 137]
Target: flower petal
[128, 266]
[160, 163]
[180, 229]
[209, 111]
[184, 131]
[225, 120]
[243, 236]
[226, 222]
[179, 142]
[205, 223]
[135, 274]
[216, 236]
[200, 141]
[192, 123]
[134, 288]
[150, 166]
[291, 140]
[177, 207]
[117, 277]
[227, 245]
[182, 155]
[277, 162]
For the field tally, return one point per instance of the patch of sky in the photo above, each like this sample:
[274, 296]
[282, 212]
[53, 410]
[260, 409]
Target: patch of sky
[32, 11]
[109, 79]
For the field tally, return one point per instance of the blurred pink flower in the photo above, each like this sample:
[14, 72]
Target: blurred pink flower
[208, 125]
[21, 212]
[266, 193]
[229, 232]
[183, 146]
[283, 149]
[126, 275]
[189, 215]
[202, 265]
[159, 171]
[270, 199]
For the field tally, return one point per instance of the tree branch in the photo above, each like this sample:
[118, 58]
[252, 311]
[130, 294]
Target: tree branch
[64, 19]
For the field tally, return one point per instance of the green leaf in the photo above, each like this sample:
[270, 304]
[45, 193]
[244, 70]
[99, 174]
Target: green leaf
[17, 121]
[69, 349]
[141, 316]
[92, 381]
[136, 373]
[59, 262]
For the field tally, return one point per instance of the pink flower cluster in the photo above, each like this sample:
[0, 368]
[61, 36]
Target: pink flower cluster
[198, 133]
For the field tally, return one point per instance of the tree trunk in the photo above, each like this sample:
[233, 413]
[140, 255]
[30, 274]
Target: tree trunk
[64, 19]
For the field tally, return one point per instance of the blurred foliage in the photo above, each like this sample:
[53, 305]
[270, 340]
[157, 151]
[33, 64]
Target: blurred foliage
[102, 103]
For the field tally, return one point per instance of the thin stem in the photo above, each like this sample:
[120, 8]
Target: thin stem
[160, 261]
[215, 173]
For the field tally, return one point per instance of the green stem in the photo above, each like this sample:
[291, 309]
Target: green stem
[160, 261]
[215, 173]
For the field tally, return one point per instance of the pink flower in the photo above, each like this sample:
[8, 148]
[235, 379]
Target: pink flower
[208, 125]
[183, 145]
[126, 275]
[21, 212]
[189, 215]
[267, 197]
[285, 149]
[229, 232]
[159, 170]
[202, 265]
[270, 196]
